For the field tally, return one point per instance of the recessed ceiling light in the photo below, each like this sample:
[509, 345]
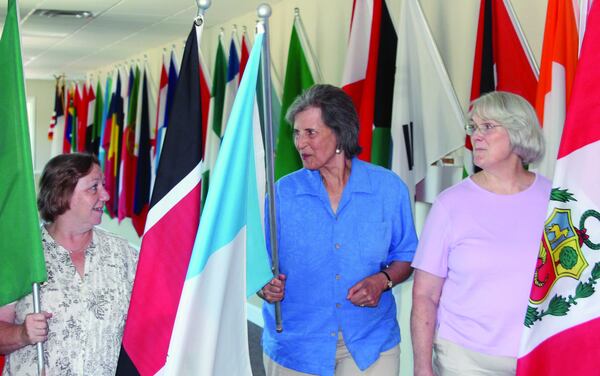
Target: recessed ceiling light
[63, 13]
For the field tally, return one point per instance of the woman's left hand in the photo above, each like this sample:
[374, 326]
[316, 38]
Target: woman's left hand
[366, 293]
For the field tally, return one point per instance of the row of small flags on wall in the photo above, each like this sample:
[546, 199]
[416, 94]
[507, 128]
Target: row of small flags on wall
[121, 122]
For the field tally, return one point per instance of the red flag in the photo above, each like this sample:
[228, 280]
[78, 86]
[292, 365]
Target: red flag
[370, 62]
[128, 158]
[244, 54]
[501, 59]
[141, 196]
[81, 109]
[559, 60]
[563, 317]
[171, 227]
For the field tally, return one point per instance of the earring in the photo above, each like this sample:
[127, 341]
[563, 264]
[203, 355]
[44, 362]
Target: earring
[338, 151]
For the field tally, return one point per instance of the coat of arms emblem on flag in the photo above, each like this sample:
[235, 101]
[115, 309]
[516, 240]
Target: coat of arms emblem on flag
[561, 255]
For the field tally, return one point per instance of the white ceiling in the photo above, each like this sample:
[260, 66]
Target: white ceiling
[118, 30]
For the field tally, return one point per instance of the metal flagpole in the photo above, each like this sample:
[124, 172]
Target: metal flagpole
[202, 5]
[264, 12]
[583, 12]
[521, 35]
[39, 346]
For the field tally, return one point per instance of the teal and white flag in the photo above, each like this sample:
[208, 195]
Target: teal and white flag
[229, 261]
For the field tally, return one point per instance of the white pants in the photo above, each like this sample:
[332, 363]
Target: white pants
[388, 364]
[450, 359]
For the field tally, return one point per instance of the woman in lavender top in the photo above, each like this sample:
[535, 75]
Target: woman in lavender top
[477, 253]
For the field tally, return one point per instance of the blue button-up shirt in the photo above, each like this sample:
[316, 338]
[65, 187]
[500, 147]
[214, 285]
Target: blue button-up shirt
[323, 254]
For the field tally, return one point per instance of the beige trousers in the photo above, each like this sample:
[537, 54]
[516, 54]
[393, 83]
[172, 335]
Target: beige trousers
[388, 364]
[450, 359]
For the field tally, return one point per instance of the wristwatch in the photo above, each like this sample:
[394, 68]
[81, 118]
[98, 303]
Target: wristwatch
[390, 284]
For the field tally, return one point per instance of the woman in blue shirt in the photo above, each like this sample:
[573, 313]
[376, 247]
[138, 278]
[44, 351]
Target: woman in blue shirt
[346, 236]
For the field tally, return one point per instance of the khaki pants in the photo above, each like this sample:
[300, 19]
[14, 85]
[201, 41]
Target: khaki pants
[388, 364]
[450, 359]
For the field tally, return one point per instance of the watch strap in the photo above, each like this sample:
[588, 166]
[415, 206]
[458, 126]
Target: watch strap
[390, 283]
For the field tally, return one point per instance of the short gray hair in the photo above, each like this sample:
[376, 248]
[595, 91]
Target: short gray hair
[519, 119]
[337, 112]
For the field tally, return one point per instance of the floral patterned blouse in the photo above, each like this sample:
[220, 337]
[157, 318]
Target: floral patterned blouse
[88, 314]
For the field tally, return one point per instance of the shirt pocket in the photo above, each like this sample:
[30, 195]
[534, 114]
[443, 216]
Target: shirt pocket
[374, 240]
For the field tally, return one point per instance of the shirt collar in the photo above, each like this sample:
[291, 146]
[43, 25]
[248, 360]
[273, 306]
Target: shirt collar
[359, 180]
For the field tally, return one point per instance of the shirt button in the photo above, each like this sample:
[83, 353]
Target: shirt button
[337, 277]
[338, 305]
[337, 246]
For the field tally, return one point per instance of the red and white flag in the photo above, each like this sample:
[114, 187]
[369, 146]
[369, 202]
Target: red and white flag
[563, 316]
[557, 71]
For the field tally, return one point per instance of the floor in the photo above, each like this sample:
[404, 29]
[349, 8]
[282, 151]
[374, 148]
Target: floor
[254, 334]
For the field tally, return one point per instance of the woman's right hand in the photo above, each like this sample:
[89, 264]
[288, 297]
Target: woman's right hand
[274, 291]
[35, 328]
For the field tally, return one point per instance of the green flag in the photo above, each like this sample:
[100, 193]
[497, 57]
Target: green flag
[300, 74]
[21, 255]
[214, 131]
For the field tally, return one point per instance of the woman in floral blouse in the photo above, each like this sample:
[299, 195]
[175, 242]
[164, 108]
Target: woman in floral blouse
[90, 275]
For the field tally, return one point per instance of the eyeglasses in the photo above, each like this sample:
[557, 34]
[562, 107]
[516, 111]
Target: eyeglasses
[484, 128]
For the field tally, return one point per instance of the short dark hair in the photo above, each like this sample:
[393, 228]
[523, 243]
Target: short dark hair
[337, 112]
[58, 181]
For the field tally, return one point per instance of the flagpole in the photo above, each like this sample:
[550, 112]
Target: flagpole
[39, 346]
[583, 12]
[264, 12]
[304, 41]
[202, 5]
[521, 35]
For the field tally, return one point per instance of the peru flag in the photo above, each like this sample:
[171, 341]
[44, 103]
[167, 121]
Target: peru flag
[563, 316]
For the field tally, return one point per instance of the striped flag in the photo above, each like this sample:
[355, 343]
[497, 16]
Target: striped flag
[115, 130]
[171, 227]
[301, 72]
[501, 59]
[90, 118]
[233, 79]
[70, 122]
[128, 158]
[560, 51]
[57, 131]
[421, 136]
[143, 166]
[161, 109]
[563, 316]
[368, 72]
[229, 260]
[104, 137]
[97, 127]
